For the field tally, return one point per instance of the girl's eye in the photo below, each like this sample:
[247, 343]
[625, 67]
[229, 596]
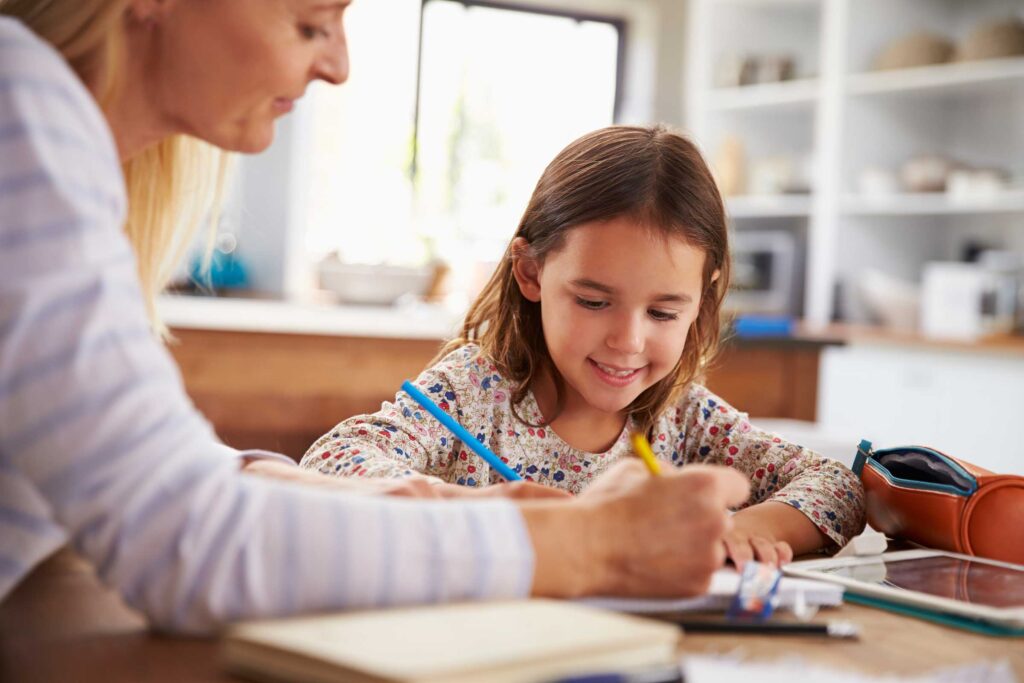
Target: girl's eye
[310, 32]
[590, 304]
[662, 316]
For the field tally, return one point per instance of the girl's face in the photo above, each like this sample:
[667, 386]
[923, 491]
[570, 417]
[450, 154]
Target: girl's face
[617, 300]
[224, 71]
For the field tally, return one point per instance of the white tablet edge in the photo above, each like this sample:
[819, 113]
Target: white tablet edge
[1005, 616]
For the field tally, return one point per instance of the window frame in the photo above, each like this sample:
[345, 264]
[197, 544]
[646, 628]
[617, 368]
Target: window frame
[619, 23]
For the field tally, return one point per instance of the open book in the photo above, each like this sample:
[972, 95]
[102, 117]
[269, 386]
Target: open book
[724, 584]
[498, 642]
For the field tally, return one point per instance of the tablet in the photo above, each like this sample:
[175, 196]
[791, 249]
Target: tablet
[973, 587]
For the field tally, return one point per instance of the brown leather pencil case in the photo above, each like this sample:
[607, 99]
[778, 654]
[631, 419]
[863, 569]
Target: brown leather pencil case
[925, 496]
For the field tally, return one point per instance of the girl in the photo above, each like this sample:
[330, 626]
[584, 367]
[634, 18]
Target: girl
[598, 321]
[103, 104]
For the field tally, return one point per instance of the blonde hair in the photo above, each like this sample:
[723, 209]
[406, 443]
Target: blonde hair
[650, 174]
[172, 186]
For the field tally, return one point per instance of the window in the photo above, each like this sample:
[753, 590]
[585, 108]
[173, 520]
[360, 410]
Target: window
[451, 113]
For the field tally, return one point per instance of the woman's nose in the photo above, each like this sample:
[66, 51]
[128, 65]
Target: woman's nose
[332, 66]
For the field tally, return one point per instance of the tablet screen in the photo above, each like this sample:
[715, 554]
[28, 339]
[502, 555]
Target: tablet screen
[945, 577]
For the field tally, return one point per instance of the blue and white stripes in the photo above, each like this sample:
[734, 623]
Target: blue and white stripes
[100, 446]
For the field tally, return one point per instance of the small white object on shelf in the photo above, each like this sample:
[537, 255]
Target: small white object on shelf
[895, 302]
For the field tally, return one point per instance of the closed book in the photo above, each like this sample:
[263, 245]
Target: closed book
[499, 642]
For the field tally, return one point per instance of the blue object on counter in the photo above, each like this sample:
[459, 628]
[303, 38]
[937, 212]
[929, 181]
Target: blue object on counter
[764, 326]
[227, 271]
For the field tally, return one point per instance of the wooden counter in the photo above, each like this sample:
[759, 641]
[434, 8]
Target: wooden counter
[281, 391]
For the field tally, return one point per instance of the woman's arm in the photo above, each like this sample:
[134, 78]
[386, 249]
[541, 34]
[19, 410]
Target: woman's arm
[100, 445]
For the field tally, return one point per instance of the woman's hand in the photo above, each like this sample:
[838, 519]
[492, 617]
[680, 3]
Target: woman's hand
[634, 534]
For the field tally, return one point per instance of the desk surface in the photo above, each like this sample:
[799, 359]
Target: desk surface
[61, 624]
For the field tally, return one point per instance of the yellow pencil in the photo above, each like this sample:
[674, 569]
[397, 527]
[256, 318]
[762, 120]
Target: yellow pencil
[643, 449]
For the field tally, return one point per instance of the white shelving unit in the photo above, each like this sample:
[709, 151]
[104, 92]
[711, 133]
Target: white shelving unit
[845, 118]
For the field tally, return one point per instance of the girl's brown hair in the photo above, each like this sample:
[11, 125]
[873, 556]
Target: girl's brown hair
[654, 176]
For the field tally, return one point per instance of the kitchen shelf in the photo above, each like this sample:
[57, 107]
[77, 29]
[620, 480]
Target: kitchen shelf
[798, 94]
[767, 206]
[932, 204]
[964, 78]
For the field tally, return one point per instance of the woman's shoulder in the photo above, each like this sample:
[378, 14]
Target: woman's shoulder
[43, 93]
[26, 54]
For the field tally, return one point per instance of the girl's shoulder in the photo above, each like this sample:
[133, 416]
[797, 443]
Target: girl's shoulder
[696, 405]
[469, 371]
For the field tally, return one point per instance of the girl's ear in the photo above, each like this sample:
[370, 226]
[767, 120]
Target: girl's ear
[715, 275]
[525, 269]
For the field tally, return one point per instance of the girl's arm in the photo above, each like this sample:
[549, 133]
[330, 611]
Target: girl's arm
[797, 496]
[401, 439]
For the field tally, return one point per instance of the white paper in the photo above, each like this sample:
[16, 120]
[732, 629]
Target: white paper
[711, 669]
[724, 584]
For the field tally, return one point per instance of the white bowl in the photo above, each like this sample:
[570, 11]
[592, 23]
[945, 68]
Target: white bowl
[373, 284]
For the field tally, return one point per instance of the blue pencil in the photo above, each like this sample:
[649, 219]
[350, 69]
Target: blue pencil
[460, 431]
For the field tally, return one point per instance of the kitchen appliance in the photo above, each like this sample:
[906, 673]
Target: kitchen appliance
[763, 272]
[965, 301]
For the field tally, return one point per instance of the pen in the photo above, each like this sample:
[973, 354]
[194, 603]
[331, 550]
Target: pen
[460, 431]
[832, 629]
[643, 449]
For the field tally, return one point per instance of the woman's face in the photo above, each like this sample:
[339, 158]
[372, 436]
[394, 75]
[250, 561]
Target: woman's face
[224, 71]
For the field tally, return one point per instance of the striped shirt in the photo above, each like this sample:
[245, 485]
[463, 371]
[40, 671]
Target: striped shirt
[101, 447]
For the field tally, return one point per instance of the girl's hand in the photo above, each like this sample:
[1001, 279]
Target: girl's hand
[410, 487]
[519, 490]
[771, 532]
[743, 545]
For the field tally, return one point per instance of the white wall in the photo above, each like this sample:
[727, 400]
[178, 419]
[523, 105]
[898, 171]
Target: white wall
[965, 403]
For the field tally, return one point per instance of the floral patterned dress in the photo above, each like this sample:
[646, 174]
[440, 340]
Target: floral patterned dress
[402, 439]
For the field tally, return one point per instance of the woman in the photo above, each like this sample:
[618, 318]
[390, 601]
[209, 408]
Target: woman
[102, 107]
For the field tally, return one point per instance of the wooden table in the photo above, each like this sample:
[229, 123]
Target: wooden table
[61, 624]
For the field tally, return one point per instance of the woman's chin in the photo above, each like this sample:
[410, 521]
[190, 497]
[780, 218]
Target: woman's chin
[248, 140]
[256, 143]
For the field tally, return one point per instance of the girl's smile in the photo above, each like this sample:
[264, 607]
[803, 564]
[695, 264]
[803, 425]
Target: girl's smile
[617, 299]
[614, 375]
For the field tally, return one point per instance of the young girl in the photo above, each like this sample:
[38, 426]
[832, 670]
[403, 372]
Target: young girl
[599, 319]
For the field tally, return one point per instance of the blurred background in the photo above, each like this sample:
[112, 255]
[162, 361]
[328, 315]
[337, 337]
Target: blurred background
[871, 153]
